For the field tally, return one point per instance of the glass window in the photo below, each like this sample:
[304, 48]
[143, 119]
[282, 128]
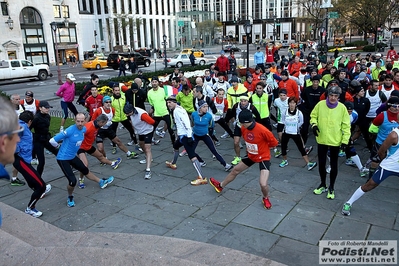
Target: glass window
[65, 11]
[105, 6]
[98, 4]
[72, 35]
[15, 64]
[57, 11]
[26, 63]
[64, 34]
[4, 8]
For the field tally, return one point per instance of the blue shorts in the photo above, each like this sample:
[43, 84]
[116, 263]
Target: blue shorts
[382, 174]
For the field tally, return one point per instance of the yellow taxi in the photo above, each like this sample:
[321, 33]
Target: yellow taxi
[96, 62]
[197, 52]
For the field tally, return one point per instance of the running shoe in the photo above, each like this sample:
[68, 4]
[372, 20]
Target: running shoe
[349, 162]
[34, 161]
[364, 171]
[346, 209]
[228, 167]
[283, 163]
[113, 150]
[225, 135]
[330, 194]
[138, 148]
[17, 182]
[311, 165]
[183, 153]
[217, 143]
[116, 163]
[266, 203]
[61, 129]
[160, 134]
[199, 181]
[144, 161]
[308, 150]
[236, 160]
[216, 184]
[319, 190]
[155, 141]
[132, 155]
[70, 201]
[275, 125]
[33, 212]
[82, 183]
[130, 143]
[48, 188]
[341, 153]
[203, 164]
[147, 175]
[105, 182]
[277, 154]
[170, 165]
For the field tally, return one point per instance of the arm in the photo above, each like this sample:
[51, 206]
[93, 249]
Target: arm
[255, 112]
[392, 139]
[148, 119]
[300, 119]
[348, 98]
[346, 127]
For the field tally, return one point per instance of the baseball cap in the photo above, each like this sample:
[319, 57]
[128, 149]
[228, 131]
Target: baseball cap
[70, 76]
[171, 99]
[245, 116]
[395, 93]
[29, 93]
[379, 55]
[135, 86]
[45, 104]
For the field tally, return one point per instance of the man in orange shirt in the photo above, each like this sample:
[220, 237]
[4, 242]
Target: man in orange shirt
[288, 84]
[295, 67]
[258, 140]
[87, 146]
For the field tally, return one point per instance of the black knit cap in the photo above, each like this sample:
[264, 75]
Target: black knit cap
[245, 116]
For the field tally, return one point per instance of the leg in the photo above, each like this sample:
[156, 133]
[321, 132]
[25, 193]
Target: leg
[64, 107]
[322, 154]
[39, 149]
[240, 167]
[72, 107]
[236, 145]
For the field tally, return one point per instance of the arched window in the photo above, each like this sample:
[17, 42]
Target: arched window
[34, 41]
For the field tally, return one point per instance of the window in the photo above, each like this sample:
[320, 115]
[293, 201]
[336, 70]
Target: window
[98, 4]
[26, 63]
[15, 64]
[65, 11]
[57, 11]
[4, 8]
[105, 7]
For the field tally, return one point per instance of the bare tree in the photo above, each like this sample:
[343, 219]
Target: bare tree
[209, 28]
[312, 13]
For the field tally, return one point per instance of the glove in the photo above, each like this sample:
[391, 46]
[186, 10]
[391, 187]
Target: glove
[376, 159]
[316, 131]
[190, 141]
[344, 146]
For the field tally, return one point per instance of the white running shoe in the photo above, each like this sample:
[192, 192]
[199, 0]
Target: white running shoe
[48, 188]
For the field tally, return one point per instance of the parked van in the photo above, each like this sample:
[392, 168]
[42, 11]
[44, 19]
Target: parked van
[17, 69]
[113, 59]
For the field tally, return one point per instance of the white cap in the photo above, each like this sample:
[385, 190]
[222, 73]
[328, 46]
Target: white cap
[378, 54]
[70, 76]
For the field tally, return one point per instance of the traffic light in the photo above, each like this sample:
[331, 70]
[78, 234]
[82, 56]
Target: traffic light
[95, 33]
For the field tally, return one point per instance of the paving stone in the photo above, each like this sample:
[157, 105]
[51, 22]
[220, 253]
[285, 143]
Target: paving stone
[346, 229]
[293, 252]
[381, 233]
[246, 239]
[301, 229]
[195, 229]
[396, 225]
[312, 213]
[258, 217]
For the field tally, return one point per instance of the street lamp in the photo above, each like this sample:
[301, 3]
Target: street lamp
[248, 30]
[10, 23]
[164, 47]
[54, 27]
[274, 28]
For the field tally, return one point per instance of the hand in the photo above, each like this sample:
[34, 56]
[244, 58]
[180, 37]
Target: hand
[316, 131]
[376, 159]
[190, 141]
[344, 146]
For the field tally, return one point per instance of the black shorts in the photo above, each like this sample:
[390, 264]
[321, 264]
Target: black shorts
[237, 131]
[146, 138]
[89, 151]
[264, 165]
[105, 133]
[280, 127]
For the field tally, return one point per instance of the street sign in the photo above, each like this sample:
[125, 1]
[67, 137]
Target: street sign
[180, 23]
[333, 15]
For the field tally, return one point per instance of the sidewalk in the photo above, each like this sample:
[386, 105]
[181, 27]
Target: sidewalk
[168, 206]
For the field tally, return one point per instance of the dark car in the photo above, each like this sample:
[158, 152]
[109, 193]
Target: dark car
[227, 48]
[114, 58]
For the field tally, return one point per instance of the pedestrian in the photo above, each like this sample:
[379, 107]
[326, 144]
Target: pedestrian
[122, 67]
[144, 125]
[192, 58]
[94, 79]
[132, 65]
[94, 101]
[67, 94]
[30, 103]
[185, 139]
[331, 127]
[71, 139]
[136, 96]
[87, 147]
[23, 156]
[258, 140]
[9, 136]
[388, 157]
[292, 119]
[259, 60]
[41, 126]
[222, 64]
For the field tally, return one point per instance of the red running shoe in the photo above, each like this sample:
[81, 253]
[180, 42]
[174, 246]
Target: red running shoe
[216, 184]
[266, 203]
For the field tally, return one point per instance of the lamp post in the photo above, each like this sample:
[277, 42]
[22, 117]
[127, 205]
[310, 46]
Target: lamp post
[274, 28]
[164, 47]
[248, 30]
[10, 23]
[54, 27]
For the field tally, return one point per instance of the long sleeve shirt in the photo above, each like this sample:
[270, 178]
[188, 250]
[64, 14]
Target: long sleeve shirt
[66, 92]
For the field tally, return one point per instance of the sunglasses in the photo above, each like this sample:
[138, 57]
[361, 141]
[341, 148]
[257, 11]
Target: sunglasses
[393, 105]
[107, 102]
[9, 133]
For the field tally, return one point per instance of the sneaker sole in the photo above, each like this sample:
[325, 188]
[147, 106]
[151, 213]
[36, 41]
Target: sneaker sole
[217, 190]
[202, 183]
[17, 185]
